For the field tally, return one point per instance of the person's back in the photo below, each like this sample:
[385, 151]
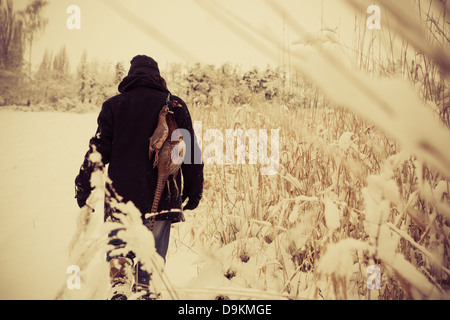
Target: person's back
[125, 125]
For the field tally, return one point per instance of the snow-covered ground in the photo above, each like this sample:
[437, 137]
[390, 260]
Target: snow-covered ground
[41, 153]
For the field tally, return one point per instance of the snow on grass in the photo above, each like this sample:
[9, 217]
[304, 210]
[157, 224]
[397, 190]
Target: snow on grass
[41, 155]
[337, 203]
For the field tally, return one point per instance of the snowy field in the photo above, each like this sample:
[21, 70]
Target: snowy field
[41, 153]
[305, 233]
[356, 202]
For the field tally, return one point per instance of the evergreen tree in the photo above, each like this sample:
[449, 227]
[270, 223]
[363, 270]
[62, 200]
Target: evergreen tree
[43, 77]
[45, 68]
[119, 73]
[61, 66]
[82, 76]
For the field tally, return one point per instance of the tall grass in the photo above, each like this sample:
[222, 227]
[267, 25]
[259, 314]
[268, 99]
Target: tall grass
[363, 178]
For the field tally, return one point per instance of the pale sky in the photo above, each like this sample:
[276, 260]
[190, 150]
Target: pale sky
[179, 30]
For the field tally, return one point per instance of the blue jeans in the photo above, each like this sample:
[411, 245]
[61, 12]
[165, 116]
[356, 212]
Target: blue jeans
[161, 233]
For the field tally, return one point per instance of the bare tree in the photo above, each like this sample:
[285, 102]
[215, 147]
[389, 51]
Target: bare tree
[11, 34]
[34, 23]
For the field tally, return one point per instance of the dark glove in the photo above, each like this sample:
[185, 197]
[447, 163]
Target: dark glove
[191, 205]
[193, 194]
[81, 201]
[81, 192]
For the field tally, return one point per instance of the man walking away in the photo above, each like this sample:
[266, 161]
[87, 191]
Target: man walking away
[125, 123]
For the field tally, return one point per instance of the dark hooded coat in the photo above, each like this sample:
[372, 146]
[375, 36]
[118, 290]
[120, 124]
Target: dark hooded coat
[125, 123]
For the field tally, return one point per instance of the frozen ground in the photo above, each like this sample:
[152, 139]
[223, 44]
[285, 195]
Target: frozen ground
[40, 156]
[41, 153]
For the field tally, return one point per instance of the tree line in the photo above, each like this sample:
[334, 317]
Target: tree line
[56, 85]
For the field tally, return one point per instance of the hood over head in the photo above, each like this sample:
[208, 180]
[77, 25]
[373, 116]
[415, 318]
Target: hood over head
[142, 73]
